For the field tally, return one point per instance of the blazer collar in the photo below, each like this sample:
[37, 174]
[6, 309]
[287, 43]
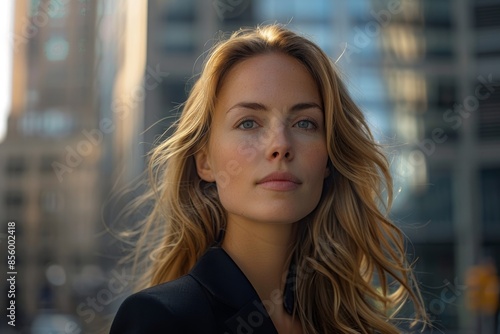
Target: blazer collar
[222, 277]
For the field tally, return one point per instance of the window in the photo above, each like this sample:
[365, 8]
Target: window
[49, 201]
[56, 48]
[46, 163]
[490, 185]
[179, 32]
[431, 206]
[489, 115]
[15, 166]
[14, 198]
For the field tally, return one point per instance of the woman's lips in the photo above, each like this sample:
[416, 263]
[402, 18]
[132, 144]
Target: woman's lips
[280, 181]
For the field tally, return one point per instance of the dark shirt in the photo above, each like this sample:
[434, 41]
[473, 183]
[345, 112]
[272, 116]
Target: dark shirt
[214, 297]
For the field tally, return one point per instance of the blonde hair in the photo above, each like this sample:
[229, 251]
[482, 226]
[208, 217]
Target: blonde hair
[352, 271]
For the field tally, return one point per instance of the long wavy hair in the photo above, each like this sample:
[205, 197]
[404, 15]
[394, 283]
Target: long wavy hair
[352, 272]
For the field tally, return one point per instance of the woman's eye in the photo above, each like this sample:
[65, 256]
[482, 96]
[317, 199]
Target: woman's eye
[247, 124]
[305, 124]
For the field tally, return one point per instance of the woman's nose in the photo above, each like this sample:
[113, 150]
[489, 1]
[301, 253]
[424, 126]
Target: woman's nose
[280, 144]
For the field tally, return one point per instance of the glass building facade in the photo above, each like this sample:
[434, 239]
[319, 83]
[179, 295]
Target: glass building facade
[425, 72]
[415, 68]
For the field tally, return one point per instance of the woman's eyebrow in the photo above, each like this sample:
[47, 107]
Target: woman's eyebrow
[306, 105]
[260, 106]
[248, 105]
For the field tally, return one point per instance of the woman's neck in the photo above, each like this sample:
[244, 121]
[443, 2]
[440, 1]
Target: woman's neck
[262, 251]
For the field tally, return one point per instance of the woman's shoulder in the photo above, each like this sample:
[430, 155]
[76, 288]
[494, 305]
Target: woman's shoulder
[214, 297]
[175, 294]
[168, 306]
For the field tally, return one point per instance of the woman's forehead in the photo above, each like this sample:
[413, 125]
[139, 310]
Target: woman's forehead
[268, 79]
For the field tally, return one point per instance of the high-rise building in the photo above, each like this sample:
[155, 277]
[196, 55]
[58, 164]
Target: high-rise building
[77, 91]
[88, 102]
[53, 97]
[442, 81]
[426, 74]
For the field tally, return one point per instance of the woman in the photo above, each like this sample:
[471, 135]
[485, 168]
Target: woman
[267, 215]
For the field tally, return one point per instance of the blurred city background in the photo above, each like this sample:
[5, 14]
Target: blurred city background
[87, 86]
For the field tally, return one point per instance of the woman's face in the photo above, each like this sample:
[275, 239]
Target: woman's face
[267, 150]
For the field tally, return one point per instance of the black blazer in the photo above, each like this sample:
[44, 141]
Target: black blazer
[215, 297]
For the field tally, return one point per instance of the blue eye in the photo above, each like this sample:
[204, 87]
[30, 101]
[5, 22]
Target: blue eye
[305, 124]
[247, 124]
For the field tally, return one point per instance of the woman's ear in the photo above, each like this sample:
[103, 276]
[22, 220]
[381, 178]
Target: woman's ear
[203, 167]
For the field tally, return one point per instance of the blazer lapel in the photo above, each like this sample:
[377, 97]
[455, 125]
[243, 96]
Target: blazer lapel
[220, 275]
[251, 318]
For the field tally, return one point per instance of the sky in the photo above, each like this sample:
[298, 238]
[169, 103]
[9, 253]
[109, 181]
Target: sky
[6, 29]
